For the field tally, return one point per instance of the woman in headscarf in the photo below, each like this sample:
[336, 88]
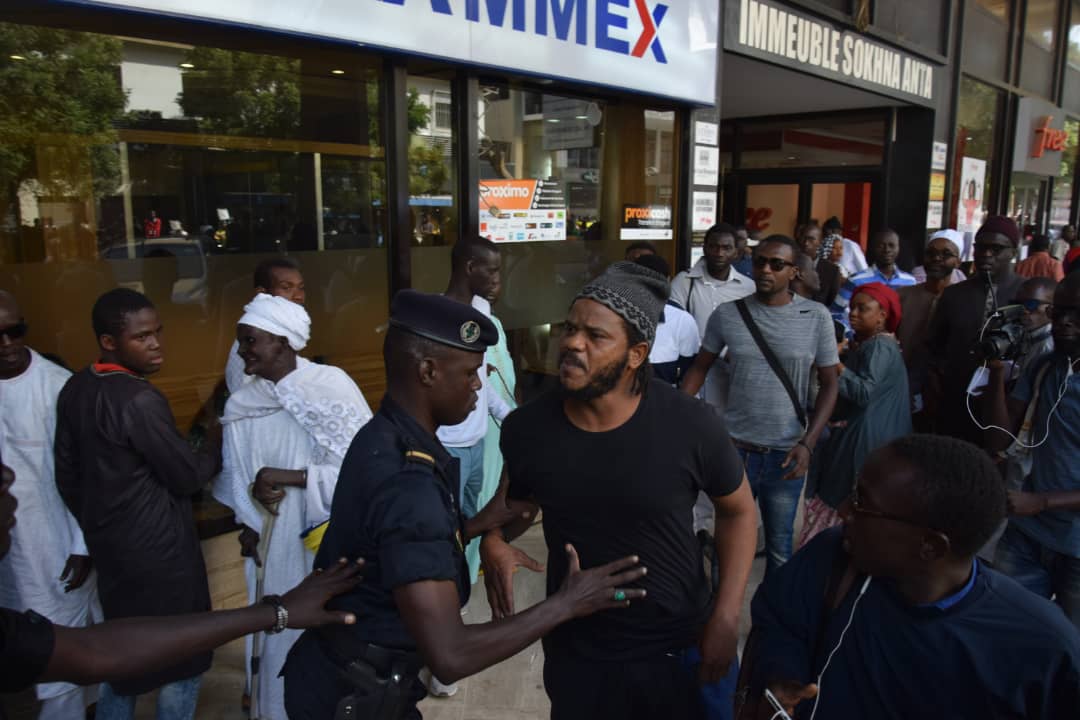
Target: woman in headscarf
[872, 410]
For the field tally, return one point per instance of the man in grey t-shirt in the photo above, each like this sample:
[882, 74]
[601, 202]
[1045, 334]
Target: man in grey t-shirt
[760, 415]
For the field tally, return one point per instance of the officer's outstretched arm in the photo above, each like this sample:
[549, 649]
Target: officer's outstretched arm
[454, 650]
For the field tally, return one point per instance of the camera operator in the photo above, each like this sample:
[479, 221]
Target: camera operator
[1041, 545]
[958, 324]
[1036, 296]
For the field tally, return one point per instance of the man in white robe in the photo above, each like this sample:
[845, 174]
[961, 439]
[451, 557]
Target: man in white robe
[285, 436]
[48, 567]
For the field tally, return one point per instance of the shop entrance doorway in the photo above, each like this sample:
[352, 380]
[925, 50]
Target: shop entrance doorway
[773, 203]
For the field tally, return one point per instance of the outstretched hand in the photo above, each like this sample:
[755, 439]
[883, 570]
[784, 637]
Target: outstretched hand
[600, 588]
[499, 559]
[306, 603]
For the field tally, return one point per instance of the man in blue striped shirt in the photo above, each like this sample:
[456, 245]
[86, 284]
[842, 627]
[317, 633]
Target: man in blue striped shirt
[884, 249]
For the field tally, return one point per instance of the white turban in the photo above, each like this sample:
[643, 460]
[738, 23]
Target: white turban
[954, 236]
[279, 316]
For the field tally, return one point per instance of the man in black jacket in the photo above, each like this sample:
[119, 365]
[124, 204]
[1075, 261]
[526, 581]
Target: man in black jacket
[959, 320]
[127, 476]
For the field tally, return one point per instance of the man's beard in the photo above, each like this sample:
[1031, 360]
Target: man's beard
[602, 383]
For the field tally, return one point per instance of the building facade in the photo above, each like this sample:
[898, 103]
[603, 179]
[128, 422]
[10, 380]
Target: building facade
[170, 146]
[912, 114]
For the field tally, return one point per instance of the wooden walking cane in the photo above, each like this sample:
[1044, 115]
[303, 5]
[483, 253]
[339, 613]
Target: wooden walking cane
[257, 639]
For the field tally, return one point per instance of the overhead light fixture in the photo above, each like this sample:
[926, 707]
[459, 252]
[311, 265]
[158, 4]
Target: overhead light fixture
[581, 117]
[792, 157]
[187, 66]
[337, 72]
[553, 119]
[17, 57]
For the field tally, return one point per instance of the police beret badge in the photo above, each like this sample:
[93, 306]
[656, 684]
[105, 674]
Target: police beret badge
[470, 332]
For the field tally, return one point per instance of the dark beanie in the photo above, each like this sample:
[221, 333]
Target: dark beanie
[1002, 225]
[634, 292]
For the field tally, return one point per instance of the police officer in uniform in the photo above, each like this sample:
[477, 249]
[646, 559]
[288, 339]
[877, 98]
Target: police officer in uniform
[396, 505]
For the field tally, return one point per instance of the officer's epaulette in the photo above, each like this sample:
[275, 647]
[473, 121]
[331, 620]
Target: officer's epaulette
[422, 458]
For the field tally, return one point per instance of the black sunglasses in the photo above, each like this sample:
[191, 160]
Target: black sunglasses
[1060, 312]
[16, 331]
[991, 248]
[1031, 304]
[859, 509]
[775, 264]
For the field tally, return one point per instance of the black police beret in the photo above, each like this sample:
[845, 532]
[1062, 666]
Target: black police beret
[442, 320]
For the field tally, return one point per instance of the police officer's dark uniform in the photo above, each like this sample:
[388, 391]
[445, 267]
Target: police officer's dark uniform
[396, 506]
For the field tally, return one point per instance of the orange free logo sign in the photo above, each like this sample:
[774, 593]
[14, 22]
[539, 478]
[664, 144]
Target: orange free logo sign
[1048, 138]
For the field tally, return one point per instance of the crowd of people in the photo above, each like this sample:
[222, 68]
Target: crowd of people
[777, 370]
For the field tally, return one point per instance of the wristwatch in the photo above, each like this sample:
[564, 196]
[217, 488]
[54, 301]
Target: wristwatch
[282, 620]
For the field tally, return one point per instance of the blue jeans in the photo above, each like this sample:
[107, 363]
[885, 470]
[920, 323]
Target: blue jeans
[718, 697]
[779, 500]
[176, 701]
[472, 475]
[1041, 570]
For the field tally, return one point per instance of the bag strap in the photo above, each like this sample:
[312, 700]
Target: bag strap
[690, 295]
[771, 358]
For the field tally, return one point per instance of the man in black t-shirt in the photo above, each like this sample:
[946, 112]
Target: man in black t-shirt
[616, 461]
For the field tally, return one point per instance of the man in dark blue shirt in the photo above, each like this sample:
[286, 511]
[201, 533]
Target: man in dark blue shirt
[891, 616]
[1041, 546]
[397, 499]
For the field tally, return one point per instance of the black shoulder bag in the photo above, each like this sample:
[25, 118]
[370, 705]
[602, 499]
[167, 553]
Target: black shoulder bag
[770, 357]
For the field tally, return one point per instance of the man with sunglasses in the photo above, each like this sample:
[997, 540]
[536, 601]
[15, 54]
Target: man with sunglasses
[893, 616]
[773, 442]
[958, 321]
[918, 302]
[1041, 546]
[48, 566]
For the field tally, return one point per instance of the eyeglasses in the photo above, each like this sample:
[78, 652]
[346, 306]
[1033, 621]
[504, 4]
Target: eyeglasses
[859, 509]
[1061, 312]
[939, 255]
[1031, 305]
[991, 249]
[16, 331]
[775, 264]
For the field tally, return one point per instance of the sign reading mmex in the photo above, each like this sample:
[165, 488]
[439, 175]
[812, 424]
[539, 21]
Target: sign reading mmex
[654, 47]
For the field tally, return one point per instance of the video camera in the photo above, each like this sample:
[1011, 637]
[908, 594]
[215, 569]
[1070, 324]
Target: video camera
[1002, 338]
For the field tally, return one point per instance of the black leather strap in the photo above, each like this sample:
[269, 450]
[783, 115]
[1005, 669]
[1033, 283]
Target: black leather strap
[771, 358]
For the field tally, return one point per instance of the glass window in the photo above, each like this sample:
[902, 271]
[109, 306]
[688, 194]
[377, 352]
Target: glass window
[817, 142]
[1061, 202]
[432, 178]
[986, 37]
[977, 115]
[556, 175]
[919, 22]
[1072, 65]
[174, 169]
[1037, 63]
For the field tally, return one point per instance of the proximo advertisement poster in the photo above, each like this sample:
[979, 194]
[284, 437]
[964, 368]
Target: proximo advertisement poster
[522, 210]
